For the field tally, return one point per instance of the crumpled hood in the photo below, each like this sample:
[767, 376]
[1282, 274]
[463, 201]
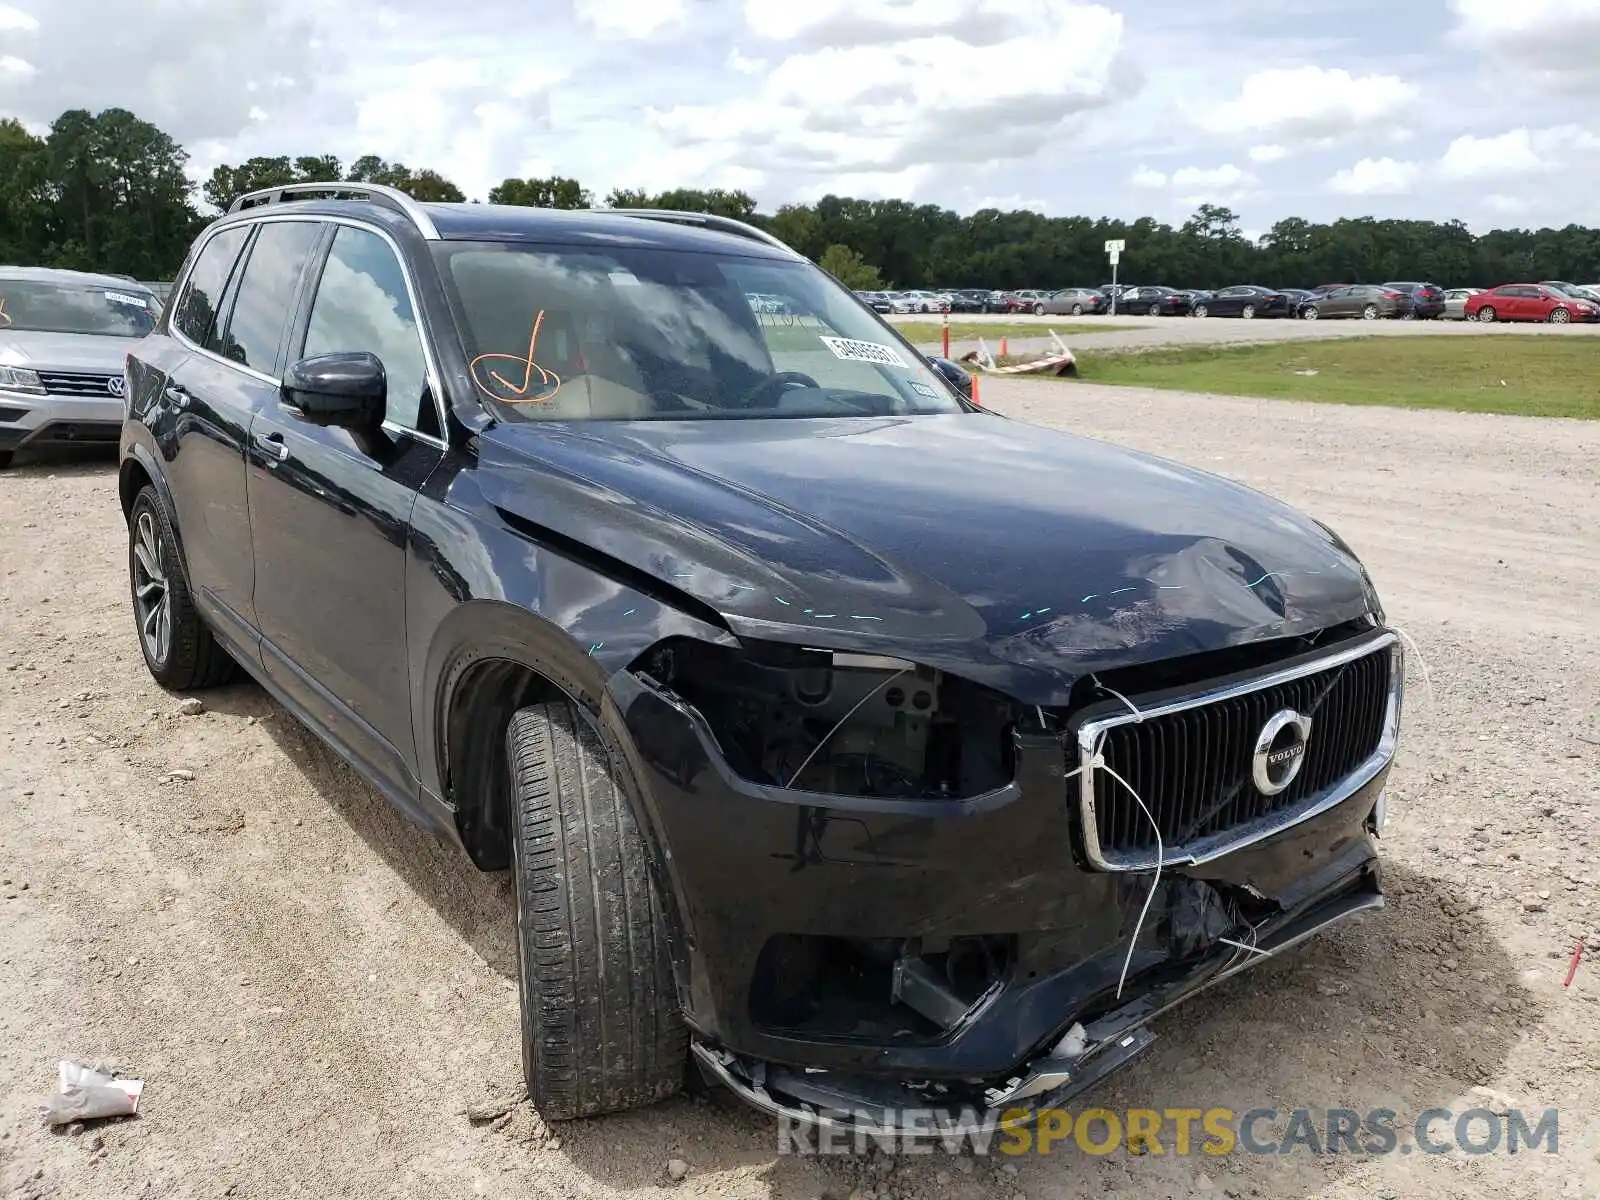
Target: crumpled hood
[90, 353]
[1014, 555]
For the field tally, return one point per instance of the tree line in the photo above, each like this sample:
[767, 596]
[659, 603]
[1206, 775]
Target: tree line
[109, 192]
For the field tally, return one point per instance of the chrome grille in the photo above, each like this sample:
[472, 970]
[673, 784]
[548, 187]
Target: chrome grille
[1190, 761]
[77, 383]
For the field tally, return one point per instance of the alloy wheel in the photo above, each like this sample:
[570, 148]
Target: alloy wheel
[152, 597]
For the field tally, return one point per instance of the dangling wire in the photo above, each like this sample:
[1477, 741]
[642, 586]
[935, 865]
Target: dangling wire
[854, 708]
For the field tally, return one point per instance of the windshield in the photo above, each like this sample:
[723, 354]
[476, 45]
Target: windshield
[32, 306]
[628, 334]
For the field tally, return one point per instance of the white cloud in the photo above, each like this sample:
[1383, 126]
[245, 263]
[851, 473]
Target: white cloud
[1266, 154]
[1556, 38]
[1517, 152]
[1225, 177]
[1376, 177]
[636, 19]
[14, 20]
[745, 66]
[1296, 106]
[1198, 185]
[839, 23]
[11, 65]
[967, 82]
[1498, 202]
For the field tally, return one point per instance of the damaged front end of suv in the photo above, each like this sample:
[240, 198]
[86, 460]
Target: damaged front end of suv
[903, 890]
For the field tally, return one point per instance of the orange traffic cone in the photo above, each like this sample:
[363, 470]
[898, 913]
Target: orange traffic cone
[975, 399]
[1004, 348]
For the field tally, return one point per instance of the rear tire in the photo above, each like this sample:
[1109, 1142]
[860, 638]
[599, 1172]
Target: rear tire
[1077, 310]
[601, 1029]
[178, 647]
[1560, 316]
[1155, 310]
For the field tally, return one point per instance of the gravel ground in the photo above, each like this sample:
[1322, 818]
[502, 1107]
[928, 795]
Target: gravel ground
[1081, 333]
[316, 991]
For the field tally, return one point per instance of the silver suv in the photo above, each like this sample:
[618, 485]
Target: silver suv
[64, 339]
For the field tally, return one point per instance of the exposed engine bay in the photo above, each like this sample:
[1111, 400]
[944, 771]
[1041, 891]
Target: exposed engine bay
[843, 724]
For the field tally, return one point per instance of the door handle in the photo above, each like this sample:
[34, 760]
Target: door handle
[176, 395]
[271, 444]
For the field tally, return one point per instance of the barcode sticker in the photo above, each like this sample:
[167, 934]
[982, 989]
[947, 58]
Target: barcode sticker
[850, 350]
[125, 298]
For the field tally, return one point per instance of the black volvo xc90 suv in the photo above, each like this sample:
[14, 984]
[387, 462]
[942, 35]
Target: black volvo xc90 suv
[865, 748]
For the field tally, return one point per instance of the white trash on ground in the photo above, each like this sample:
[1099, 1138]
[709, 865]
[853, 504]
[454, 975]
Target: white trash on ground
[89, 1093]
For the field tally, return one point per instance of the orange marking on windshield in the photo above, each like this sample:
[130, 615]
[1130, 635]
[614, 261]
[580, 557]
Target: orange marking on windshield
[530, 390]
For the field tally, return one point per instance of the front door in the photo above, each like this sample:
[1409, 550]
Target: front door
[330, 510]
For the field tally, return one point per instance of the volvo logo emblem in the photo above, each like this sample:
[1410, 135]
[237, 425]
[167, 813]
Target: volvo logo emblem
[114, 386]
[1280, 751]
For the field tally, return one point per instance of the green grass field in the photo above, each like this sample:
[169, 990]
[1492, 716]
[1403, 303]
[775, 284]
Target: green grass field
[928, 332]
[1531, 376]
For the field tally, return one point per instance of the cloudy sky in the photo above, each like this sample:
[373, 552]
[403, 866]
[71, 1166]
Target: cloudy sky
[1486, 110]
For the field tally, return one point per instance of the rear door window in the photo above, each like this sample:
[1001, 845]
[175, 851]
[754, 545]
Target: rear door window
[196, 311]
[267, 291]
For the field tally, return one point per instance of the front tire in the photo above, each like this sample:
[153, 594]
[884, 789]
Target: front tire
[1248, 312]
[178, 647]
[1369, 313]
[1486, 314]
[1038, 310]
[1309, 313]
[1200, 310]
[601, 1029]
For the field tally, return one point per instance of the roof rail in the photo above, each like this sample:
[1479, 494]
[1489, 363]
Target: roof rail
[707, 221]
[374, 193]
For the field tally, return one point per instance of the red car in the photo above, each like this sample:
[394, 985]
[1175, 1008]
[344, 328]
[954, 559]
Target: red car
[1530, 302]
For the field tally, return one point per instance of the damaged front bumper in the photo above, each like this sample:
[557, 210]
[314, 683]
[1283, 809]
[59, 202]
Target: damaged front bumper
[842, 959]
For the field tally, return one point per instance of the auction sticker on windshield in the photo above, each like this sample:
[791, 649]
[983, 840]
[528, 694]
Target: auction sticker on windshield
[850, 350]
[124, 298]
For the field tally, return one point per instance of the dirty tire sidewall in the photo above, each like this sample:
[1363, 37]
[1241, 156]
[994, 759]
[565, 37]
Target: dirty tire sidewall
[194, 659]
[601, 1028]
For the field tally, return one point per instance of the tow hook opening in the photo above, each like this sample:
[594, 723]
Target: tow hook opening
[901, 990]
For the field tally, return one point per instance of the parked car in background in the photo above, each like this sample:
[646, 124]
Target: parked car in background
[1572, 289]
[1154, 301]
[969, 300]
[1365, 300]
[921, 302]
[1072, 302]
[1004, 302]
[64, 336]
[1297, 299]
[1246, 300]
[1198, 298]
[1427, 299]
[1530, 302]
[1455, 303]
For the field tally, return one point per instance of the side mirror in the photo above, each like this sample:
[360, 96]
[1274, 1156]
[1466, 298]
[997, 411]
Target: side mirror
[954, 374]
[348, 390]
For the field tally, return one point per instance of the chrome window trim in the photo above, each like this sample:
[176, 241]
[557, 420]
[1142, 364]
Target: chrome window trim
[1212, 848]
[411, 294]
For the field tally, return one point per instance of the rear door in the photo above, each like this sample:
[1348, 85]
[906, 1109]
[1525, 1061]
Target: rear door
[199, 409]
[330, 511]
